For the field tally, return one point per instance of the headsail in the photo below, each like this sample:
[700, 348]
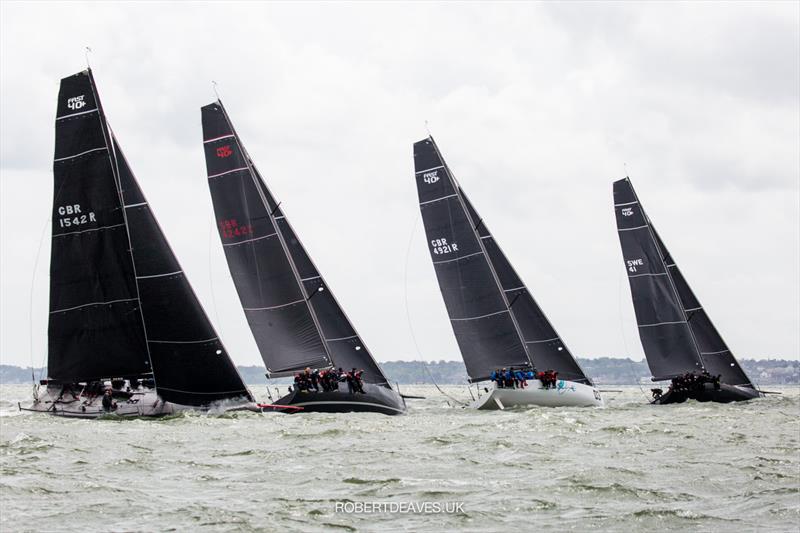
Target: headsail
[116, 245]
[676, 333]
[545, 346]
[496, 321]
[293, 314]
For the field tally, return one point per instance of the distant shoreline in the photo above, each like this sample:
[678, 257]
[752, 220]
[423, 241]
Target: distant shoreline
[604, 371]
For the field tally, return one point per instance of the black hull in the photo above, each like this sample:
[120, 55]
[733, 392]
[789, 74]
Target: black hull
[376, 399]
[725, 394]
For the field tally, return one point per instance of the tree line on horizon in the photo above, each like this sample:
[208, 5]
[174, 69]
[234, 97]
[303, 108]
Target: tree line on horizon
[603, 370]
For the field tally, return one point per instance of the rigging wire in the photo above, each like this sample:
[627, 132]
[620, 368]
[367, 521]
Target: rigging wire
[408, 318]
[625, 341]
[86, 53]
[30, 307]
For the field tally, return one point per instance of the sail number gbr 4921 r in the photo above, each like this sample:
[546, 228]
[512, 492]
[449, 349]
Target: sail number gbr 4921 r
[73, 215]
[441, 246]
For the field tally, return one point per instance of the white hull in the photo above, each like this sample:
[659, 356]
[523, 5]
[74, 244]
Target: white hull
[145, 403]
[564, 394]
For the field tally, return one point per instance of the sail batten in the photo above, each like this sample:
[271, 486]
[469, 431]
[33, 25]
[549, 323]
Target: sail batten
[687, 341]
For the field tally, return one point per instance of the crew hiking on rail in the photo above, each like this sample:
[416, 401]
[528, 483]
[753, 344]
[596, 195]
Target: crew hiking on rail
[511, 378]
[328, 380]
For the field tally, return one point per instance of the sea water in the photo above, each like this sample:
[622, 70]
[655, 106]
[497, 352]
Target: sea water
[627, 467]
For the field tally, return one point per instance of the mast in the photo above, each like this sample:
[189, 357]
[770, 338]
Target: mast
[261, 269]
[261, 187]
[487, 333]
[475, 225]
[162, 317]
[712, 351]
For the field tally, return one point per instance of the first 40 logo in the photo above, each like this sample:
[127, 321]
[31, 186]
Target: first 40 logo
[76, 102]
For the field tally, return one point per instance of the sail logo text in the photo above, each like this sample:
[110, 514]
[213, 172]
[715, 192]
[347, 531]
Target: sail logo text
[441, 246]
[75, 216]
[431, 177]
[230, 228]
[627, 211]
[224, 151]
[76, 102]
[633, 264]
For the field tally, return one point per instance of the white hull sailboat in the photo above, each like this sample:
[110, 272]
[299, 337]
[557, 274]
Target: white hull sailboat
[564, 394]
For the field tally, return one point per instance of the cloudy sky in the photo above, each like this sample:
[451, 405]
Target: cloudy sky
[537, 108]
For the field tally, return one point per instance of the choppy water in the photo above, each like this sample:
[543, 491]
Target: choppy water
[630, 466]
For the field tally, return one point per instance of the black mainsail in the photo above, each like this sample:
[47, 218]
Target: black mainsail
[293, 314]
[676, 332]
[496, 321]
[120, 305]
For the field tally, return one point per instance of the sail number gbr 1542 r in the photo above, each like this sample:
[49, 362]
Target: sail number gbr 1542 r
[73, 215]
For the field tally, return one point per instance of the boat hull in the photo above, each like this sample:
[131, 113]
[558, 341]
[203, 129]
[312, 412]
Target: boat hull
[707, 393]
[564, 394]
[375, 399]
[145, 403]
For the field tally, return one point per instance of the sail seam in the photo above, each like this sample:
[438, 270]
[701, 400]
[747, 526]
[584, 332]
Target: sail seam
[715, 353]
[160, 275]
[80, 154]
[626, 203]
[694, 309]
[88, 230]
[428, 169]
[648, 274]
[184, 342]
[273, 307]
[279, 217]
[515, 288]
[312, 277]
[545, 340]
[457, 258]
[227, 172]
[76, 114]
[218, 138]
[631, 229]
[438, 199]
[661, 324]
[342, 338]
[93, 303]
[136, 205]
[482, 316]
[249, 240]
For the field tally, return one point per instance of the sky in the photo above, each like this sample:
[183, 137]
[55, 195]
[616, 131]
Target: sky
[537, 108]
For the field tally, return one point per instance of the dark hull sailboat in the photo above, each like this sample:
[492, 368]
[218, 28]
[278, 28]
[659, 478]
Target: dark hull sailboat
[680, 342]
[494, 317]
[123, 317]
[294, 317]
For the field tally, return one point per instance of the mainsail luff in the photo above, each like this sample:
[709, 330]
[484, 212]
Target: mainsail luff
[181, 378]
[492, 338]
[342, 344]
[696, 336]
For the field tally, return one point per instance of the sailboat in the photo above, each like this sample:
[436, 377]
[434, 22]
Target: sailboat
[123, 317]
[293, 315]
[494, 317]
[680, 342]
